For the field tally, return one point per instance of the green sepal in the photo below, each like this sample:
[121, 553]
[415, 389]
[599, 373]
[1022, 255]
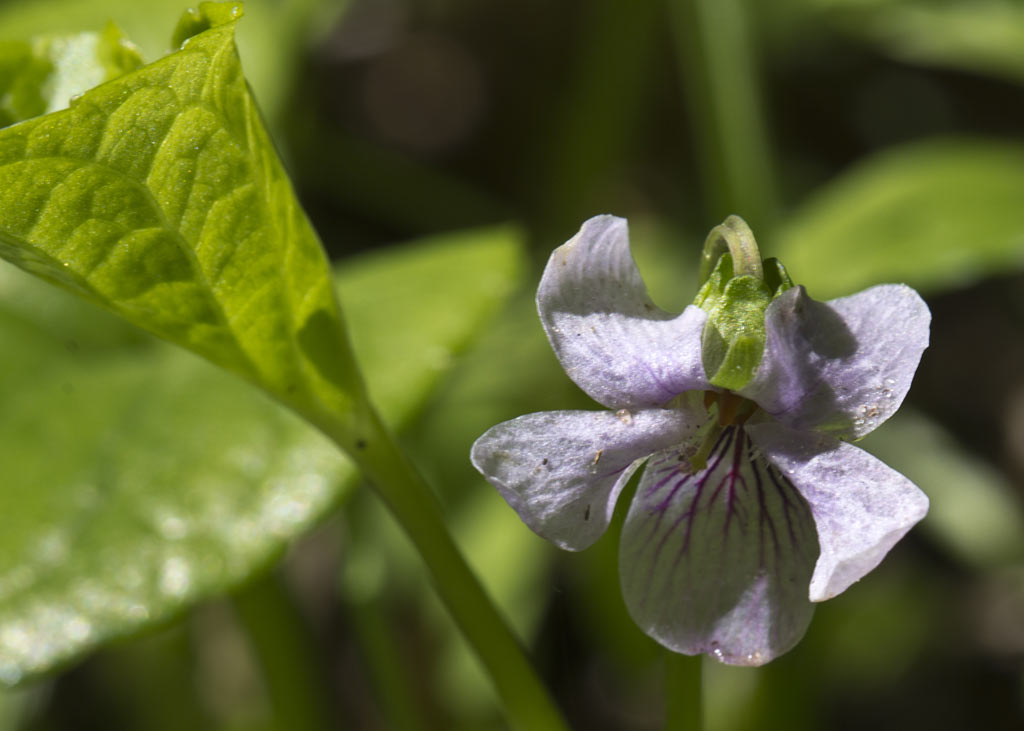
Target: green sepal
[733, 339]
[776, 277]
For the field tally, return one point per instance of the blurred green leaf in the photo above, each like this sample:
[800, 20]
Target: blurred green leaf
[973, 511]
[451, 284]
[43, 75]
[985, 37]
[23, 72]
[935, 215]
[281, 25]
[82, 61]
[138, 479]
[159, 195]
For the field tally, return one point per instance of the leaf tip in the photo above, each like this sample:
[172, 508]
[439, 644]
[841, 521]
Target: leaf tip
[204, 17]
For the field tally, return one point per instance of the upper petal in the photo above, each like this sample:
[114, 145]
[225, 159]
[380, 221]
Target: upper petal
[861, 507]
[612, 340]
[842, 366]
[719, 561]
[562, 471]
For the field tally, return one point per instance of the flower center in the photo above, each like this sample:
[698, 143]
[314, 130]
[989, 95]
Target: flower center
[732, 410]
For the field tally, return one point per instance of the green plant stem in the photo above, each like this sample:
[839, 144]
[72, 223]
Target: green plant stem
[286, 656]
[684, 710]
[528, 705]
[719, 75]
[390, 676]
[594, 124]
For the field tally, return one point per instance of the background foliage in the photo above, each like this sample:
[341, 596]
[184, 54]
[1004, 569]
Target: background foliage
[164, 502]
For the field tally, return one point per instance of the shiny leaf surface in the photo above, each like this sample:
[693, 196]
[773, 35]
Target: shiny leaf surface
[138, 478]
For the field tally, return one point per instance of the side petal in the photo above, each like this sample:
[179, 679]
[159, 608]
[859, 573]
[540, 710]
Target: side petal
[562, 471]
[843, 366]
[861, 507]
[719, 561]
[612, 340]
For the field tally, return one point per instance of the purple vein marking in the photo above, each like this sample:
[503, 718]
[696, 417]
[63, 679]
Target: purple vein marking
[734, 475]
[721, 447]
[765, 517]
[614, 472]
[658, 512]
[790, 505]
[657, 380]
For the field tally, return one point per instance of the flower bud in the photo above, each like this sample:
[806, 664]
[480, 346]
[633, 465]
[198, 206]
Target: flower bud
[732, 343]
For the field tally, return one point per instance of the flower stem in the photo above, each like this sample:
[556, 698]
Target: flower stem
[684, 710]
[716, 63]
[528, 706]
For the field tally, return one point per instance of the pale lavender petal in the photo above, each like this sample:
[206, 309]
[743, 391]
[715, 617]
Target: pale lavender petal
[843, 366]
[562, 471]
[612, 340]
[861, 507]
[719, 561]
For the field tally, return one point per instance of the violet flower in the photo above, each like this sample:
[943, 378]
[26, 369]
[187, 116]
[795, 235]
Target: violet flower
[754, 504]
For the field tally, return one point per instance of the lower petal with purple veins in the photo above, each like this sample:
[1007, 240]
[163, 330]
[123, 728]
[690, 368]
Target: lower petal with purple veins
[719, 561]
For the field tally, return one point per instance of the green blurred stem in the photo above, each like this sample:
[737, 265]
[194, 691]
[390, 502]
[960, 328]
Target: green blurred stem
[719, 75]
[684, 709]
[286, 655]
[593, 126]
[528, 706]
[391, 679]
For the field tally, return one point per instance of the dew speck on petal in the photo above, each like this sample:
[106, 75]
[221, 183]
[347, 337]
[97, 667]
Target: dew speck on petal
[716, 652]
